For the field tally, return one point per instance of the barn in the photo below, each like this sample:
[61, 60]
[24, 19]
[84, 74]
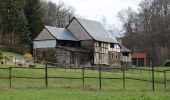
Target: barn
[81, 43]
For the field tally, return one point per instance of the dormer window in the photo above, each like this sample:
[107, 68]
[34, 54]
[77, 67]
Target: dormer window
[112, 45]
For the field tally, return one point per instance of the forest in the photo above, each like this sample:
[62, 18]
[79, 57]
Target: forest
[22, 20]
[148, 30]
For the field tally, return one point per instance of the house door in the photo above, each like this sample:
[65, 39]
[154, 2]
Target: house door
[76, 59]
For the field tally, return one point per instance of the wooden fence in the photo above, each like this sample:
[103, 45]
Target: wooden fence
[83, 77]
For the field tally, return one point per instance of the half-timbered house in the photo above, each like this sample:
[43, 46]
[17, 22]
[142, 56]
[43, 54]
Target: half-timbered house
[82, 42]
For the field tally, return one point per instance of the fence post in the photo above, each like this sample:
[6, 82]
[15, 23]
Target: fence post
[83, 75]
[10, 78]
[123, 77]
[132, 71]
[100, 77]
[153, 80]
[165, 79]
[46, 75]
[15, 60]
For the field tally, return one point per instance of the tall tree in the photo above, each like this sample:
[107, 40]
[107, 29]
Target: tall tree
[34, 14]
[9, 10]
[22, 20]
[57, 14]
[144, 34]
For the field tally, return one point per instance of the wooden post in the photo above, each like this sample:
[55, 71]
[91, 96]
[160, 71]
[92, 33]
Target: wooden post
[15, 60]
[46, 76]
[153, 81]
[165, 79]
[100, 85]
[83, 75]
[10, 78]
[123, 77]
[105, 71]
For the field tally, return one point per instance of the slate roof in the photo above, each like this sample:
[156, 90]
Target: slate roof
[124, 49]
[61, 33]
[97, 31]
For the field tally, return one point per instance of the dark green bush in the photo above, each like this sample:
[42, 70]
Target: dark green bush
[15, 49]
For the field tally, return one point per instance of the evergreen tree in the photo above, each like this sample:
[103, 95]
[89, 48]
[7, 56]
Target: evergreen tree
[34, 16]
[21, 27]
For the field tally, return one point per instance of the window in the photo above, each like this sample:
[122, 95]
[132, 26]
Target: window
[100, 56]
[43, 54]
[112, 45]
[125, 54]
[113, 56]
[116, 56]
[99, 44]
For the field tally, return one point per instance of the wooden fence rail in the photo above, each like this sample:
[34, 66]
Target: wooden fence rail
[83, 77]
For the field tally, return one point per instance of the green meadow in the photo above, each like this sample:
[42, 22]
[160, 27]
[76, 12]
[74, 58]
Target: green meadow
[73, 89]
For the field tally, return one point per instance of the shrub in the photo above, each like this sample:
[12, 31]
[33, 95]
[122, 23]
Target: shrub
[1, 56]
[17, 49]
[28, 55]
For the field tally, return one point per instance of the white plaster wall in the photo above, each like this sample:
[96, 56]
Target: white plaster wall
[116, 48]
[44, 44]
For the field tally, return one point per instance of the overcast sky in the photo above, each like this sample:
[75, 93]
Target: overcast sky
[97, 9]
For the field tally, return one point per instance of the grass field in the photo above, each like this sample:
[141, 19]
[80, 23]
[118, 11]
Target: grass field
[79, 94]
[66, 89]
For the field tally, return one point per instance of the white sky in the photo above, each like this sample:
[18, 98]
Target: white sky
[97, 9]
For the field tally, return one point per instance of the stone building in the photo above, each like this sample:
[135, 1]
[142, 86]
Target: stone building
[81, 43]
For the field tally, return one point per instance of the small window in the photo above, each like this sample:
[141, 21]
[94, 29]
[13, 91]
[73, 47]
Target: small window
[113, 56]
[125, 54]
[116, 57]
[44, 54]
[100, 56]
[112, 45]
[99, 44]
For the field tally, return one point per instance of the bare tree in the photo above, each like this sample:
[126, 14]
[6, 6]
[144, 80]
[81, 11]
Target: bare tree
[148, 31]
[57, 14]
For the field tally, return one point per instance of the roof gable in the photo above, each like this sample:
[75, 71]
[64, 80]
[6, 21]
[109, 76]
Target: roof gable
[78, 30]
[44, 35]
[124, 49]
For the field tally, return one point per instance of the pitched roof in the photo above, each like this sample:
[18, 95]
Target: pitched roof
[61, 33]
[96, 30]
[124, 49]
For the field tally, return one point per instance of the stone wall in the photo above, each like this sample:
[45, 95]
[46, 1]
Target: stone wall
[114, 59]
[45, 54]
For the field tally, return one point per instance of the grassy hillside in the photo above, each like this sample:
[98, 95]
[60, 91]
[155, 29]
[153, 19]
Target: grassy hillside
[9, 54]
